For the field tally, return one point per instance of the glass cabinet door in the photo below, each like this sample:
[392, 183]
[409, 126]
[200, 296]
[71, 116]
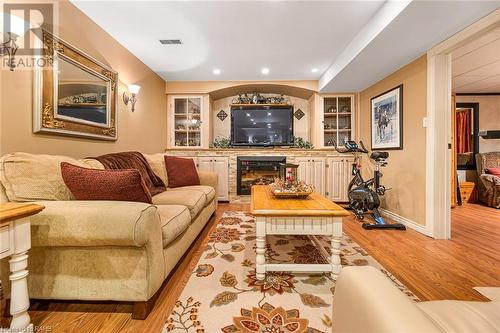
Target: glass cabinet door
[187, 122]
[337, 120]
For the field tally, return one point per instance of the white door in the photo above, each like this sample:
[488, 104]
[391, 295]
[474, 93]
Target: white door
[336, 179]
[317, 167]
[347, 176]
[221, 168]
[304, 169]
[205, 164]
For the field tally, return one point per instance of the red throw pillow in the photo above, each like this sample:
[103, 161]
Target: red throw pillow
[493, 171]
[181, 171]
[97, 184]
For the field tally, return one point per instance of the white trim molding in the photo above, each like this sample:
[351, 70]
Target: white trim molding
[438, 135]
[407, 222]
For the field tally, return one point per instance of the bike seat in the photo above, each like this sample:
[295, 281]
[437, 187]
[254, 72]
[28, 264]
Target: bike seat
[379, 155]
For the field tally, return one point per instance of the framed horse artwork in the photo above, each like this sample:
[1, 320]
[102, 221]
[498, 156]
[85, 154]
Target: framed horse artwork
[387, 119]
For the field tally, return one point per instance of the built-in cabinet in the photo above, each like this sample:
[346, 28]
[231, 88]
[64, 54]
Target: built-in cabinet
[329, 175]
[337, 120]
[219, 165]
[338, 176]
[187, 122]
[312, 171]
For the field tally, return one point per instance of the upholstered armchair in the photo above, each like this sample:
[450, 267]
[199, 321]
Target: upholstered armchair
[488, 185]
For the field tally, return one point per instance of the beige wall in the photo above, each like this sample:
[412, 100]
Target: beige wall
[143, 130]
[405, 174]
[489, 118]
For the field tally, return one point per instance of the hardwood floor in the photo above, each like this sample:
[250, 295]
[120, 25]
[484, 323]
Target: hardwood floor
[440, 269]
[444, 269]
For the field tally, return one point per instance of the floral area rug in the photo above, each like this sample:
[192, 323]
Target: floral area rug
[223, 294]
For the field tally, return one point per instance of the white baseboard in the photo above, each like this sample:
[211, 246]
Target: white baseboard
[403, 220]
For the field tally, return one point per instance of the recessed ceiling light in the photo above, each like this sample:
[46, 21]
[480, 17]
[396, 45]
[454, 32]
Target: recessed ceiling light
[251, 119]
[264, 70]
[216, 71]
[269, 113]
[314, 70]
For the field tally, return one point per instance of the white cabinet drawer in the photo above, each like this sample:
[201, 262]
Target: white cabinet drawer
[6, 240]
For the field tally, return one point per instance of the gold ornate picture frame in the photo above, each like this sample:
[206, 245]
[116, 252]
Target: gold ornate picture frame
[74, 94]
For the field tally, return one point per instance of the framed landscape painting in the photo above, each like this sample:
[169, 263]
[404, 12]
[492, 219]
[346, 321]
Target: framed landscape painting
[387, 119]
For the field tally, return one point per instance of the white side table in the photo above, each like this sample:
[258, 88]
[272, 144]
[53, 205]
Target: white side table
[15, 241]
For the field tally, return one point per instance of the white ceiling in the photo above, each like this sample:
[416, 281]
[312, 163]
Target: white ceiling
[476, 65]
[238, 37]
[352, 43]
[419, 27]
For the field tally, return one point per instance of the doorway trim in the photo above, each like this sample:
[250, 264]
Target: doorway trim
[438, 141]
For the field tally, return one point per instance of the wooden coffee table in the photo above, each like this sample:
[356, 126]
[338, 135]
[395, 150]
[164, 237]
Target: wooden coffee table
[313, 216]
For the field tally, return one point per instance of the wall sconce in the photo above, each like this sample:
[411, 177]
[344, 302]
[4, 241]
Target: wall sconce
[8, 46]
[133, 90]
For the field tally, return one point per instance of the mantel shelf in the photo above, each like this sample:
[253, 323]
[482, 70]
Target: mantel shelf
[283, 104]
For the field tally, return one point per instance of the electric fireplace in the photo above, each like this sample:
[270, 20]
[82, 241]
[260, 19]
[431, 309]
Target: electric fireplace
[256, 170]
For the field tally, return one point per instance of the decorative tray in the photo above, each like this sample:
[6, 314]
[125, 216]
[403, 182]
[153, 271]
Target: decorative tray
[290, 194]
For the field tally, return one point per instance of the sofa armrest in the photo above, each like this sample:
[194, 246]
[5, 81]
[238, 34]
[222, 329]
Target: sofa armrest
[95, 223]
[365, 300]
[209, 179]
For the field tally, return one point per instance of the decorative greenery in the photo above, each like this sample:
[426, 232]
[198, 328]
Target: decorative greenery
[221, 142]
[299, 142]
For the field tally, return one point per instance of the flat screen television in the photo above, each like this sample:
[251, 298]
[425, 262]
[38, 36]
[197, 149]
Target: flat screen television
[262, 125]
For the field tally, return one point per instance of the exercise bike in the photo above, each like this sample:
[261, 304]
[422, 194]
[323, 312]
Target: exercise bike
[364, 195]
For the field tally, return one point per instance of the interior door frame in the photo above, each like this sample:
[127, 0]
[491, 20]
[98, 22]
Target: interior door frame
[475, 124]
[439, 125]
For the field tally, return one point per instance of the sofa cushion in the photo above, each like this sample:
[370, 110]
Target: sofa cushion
[157, 163]
[92, 163]
[208, 190]
[462, 316]
[31, 177]
[98, 184]
[193, 200]
[181, 172]
[174, 220]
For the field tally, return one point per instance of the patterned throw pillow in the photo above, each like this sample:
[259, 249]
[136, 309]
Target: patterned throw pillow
[181, 172]
[97, 184]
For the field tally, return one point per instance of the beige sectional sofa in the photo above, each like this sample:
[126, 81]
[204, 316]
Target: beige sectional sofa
[103, 250]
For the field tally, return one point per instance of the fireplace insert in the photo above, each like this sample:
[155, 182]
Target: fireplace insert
[256, 170]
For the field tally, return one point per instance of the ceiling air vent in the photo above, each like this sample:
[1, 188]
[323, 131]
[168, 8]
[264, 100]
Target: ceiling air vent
[171, 41]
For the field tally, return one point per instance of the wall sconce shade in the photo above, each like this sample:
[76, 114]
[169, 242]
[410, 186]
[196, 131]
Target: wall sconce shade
[133, 90]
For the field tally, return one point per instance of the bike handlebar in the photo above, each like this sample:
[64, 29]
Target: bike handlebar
[352, 149]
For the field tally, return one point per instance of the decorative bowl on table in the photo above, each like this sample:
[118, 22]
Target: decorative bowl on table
[290, 189]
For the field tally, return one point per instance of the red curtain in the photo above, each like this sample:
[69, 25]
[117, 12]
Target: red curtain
[464, 129]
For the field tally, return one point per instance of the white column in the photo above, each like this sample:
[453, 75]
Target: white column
[260, 261]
